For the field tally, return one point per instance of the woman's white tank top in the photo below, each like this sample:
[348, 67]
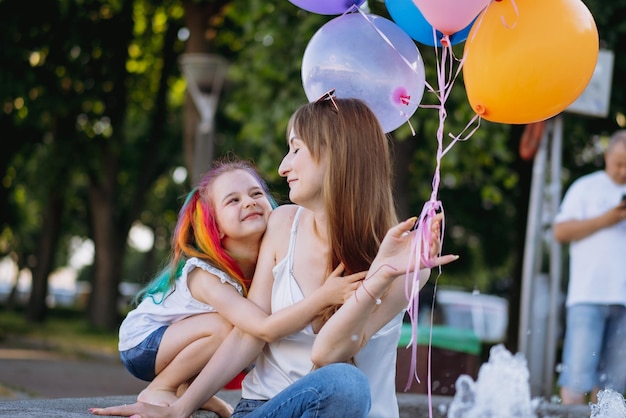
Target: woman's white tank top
[288, 359]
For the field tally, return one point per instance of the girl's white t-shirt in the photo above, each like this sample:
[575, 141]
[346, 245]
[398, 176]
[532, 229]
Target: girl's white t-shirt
[155, 311]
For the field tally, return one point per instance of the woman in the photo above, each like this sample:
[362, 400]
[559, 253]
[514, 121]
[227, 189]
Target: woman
[339, 173]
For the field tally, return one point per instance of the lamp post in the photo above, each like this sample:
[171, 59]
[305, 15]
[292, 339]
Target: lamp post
[204, 74]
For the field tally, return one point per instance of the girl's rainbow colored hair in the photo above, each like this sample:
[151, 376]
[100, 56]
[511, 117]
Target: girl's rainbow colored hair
[197, 235]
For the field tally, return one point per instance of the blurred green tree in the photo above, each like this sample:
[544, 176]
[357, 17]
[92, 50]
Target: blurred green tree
[92, 130]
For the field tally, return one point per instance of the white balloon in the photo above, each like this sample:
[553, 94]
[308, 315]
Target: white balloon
[367, 57]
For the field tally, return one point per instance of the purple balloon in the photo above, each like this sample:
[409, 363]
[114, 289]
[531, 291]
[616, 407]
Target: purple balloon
[370, 58]
[327, 7]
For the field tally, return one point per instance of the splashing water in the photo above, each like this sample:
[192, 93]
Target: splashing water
[502, 389]
[610, 405]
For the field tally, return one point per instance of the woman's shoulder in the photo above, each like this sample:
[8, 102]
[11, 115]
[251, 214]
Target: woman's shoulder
[285, 209]
[282, 216]
[279, 227]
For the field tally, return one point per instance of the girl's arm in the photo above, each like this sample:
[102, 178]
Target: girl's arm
[249, 317]
[361, 316]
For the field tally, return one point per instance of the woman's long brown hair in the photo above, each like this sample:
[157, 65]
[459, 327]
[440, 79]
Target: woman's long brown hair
[358, 184]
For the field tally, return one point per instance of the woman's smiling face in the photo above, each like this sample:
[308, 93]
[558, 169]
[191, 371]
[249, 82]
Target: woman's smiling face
[304, 175]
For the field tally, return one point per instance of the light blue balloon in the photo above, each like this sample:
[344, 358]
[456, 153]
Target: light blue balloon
[409, 17]
[370, 58]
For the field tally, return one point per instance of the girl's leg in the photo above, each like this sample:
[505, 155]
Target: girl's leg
[338, 390]
[185, 349]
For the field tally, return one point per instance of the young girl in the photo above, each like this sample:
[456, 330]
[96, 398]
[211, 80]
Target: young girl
[175, 330]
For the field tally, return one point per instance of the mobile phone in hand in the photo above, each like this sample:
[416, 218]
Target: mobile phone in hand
[623, 199]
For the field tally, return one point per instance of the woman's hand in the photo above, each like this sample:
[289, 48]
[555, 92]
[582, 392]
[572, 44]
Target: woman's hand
[396, 253]
[435, 233]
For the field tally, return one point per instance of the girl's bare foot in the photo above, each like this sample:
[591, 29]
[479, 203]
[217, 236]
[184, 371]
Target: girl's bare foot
[219, 406]
[215, 404]
[157, 397]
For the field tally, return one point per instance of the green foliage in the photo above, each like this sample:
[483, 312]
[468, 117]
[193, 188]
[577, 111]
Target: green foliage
[66, 330]
[80, 105]
[265, 85]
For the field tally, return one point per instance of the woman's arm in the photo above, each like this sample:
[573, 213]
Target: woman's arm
[361, 316]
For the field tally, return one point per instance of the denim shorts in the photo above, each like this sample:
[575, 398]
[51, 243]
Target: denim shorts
[140, 360]
[594, 351]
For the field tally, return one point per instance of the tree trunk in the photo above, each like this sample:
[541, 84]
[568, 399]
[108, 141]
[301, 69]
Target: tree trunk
[109, 248]
[12, 299]
[46, 247]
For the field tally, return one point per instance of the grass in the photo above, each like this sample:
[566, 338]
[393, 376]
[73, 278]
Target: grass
[65, 330]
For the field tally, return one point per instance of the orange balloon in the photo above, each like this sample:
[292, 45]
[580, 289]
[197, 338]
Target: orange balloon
[528, 60]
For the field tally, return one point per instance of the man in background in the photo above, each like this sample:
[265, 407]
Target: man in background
[592, 218]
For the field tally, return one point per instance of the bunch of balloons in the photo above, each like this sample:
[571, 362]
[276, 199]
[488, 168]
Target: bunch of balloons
[520, 63]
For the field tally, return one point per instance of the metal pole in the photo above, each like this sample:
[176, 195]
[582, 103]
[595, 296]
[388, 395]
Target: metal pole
[203, 149]
[205, 75]
[555, 257]
[531, 250]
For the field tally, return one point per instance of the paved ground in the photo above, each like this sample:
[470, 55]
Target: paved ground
[28, 373]
[42, 383]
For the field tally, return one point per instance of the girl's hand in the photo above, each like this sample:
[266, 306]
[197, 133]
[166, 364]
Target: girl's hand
[338, 287]
[140, 409]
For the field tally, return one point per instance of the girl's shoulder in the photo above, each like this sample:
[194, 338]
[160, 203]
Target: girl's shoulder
[194, 263]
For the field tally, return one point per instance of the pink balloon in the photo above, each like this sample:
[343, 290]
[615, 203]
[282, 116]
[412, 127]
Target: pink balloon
[450, 16]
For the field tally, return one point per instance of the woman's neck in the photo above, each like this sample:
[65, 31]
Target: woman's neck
[319, 225]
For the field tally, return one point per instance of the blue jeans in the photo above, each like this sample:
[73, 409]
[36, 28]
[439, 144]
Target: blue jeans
[338, 390]
[594, 351]
[140, 360]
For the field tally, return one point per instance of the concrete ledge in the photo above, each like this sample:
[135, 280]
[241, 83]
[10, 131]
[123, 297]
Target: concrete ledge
[411, 406]
[78, 407]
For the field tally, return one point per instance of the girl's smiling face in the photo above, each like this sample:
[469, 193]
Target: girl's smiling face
[241, 206]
